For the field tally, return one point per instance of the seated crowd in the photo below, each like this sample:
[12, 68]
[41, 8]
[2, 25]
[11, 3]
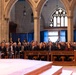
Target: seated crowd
[16, 49]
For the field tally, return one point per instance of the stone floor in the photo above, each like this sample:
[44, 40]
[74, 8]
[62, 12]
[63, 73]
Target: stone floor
[72, 68]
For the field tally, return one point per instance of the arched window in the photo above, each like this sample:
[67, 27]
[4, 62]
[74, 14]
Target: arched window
[59, 18]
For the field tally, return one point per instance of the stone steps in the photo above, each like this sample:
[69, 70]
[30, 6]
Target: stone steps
[39, 68]
[54, 70]
[66, 72]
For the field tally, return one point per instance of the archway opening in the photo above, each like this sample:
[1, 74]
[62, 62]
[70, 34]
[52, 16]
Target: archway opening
[48, 13]
[74, 23]
[21, 14]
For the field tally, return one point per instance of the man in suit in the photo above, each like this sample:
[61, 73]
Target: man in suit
[3, 50]
[15, 49]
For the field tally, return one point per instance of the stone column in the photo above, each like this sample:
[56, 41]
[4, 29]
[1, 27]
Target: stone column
[37, 29]
[36, 6]
[5, 30]
[0, 19]
[70, 29]
[0, 31]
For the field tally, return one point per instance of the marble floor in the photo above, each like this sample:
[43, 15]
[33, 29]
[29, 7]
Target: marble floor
[71, 68]
[21, 66]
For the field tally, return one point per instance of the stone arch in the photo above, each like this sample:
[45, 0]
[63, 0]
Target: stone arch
[12, 2]
[41, 4]
[38, 7]
[8, 8]
[66, 4]
[73, 5]
[69, 6]
[6, 17]
[30, 5]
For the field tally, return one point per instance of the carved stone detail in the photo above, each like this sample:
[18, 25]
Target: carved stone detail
[69, 0]
[35, 1]
[6, 0]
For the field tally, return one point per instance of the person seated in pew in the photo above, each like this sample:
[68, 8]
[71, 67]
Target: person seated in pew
[18, 41]
[58, 46]
[15, 49]
[34, 46]
[40, 46]
[7, 49]
[19, 47]
[44, 46]
[69, 46]
[3, 50]
[25, 47]
[63, 45]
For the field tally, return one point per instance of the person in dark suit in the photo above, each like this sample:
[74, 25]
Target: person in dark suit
[18, 40]
[34, 46]
[9, 49]
[25, 46]
[3, 50]
[15, 49]
[19, 49]
[40, 46]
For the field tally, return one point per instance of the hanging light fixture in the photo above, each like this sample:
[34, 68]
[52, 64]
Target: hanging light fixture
[58, 9]
[57, 6]
[24, 11]
[46, 3]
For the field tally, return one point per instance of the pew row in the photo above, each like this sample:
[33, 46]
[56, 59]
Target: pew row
[61, 57]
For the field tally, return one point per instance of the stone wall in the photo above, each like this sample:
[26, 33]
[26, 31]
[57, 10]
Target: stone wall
[24, 22]
[0, 18]
[74, 19]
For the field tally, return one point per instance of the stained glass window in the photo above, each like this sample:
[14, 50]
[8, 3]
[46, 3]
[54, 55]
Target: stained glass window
[59, 18]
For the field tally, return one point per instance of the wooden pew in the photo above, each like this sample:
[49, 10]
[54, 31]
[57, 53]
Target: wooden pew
[36, 53]
[50, 56]
[70, 54]
[62, 53]
[75, 55]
